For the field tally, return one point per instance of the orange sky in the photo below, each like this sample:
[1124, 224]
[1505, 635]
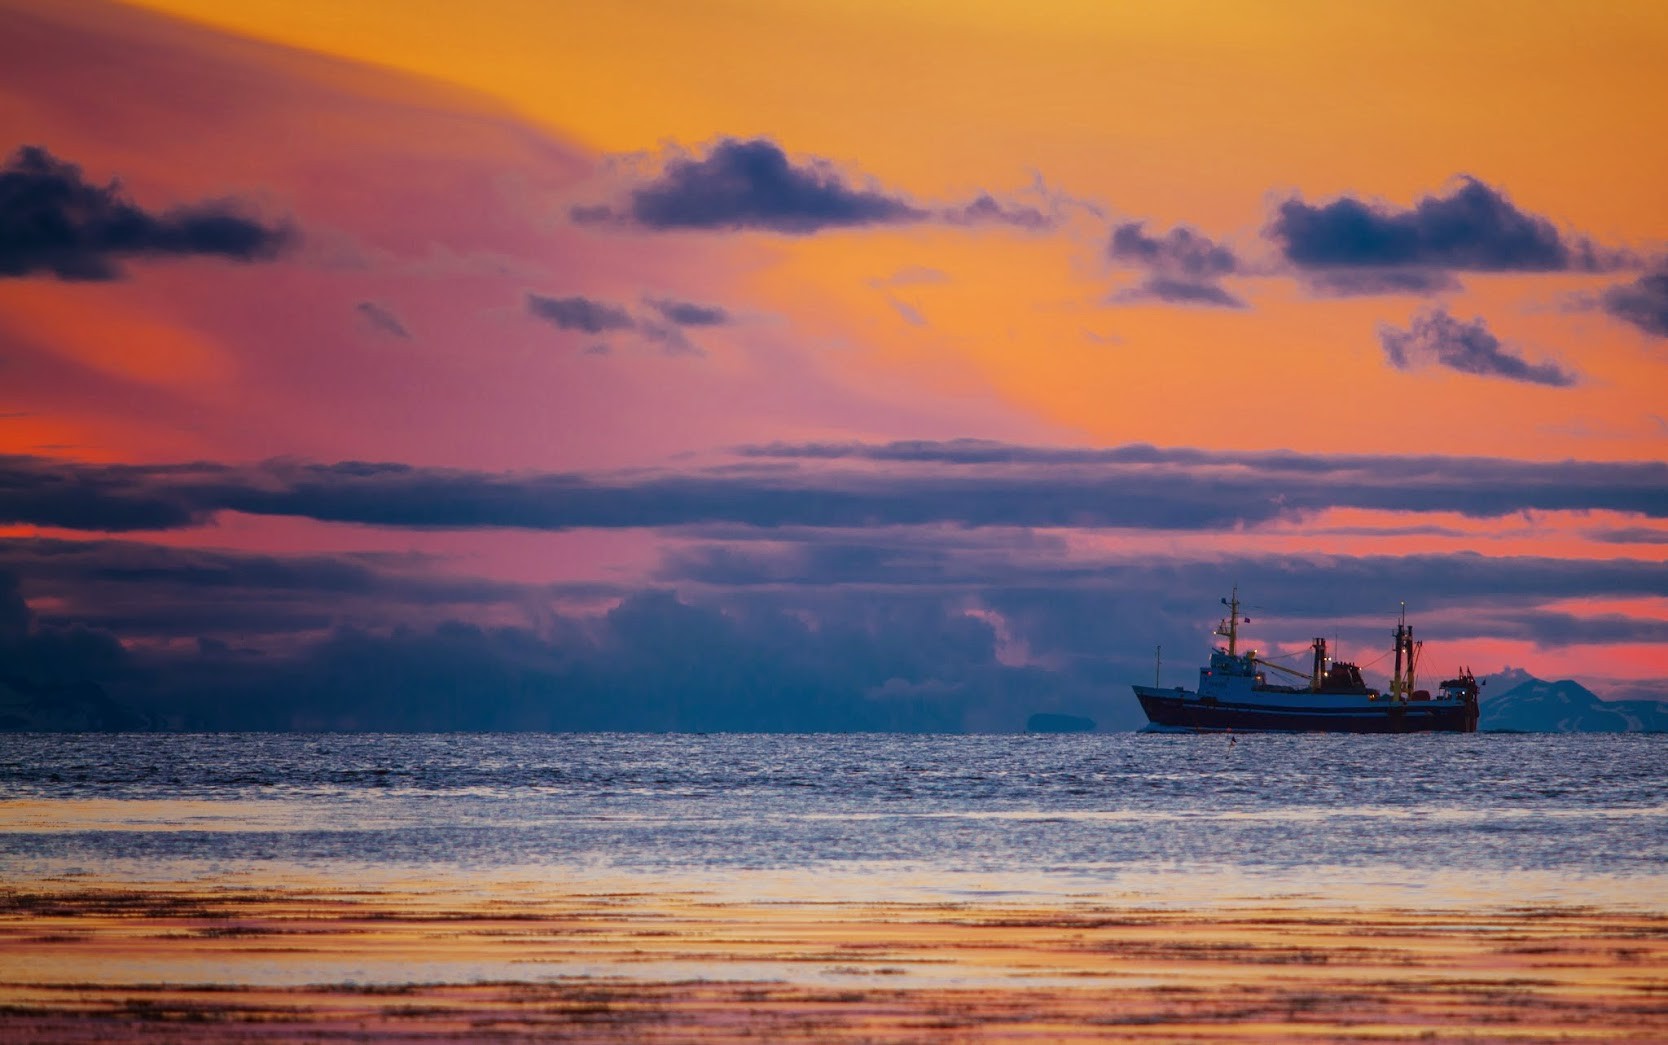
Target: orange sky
[1177, 113]
[428, 157]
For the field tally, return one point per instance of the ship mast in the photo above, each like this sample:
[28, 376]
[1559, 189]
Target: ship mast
[1401, 686]
[1229, 628]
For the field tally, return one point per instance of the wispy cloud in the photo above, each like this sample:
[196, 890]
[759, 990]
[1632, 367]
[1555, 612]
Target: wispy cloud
[1643, 303]
[1470, 348]
[381, 319]
[590, 316]
[580, 313]
[688, 314]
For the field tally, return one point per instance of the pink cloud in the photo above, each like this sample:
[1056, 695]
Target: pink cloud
[436, 206]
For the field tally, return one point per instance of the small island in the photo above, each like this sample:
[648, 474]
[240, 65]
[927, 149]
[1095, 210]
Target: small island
[1049, 723]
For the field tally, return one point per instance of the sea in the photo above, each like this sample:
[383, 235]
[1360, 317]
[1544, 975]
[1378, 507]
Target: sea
[1421, 821]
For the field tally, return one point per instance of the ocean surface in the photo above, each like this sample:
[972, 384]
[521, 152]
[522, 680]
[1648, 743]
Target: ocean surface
[1425, 821]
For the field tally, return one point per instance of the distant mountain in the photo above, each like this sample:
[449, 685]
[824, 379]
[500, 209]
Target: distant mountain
[1535, 706]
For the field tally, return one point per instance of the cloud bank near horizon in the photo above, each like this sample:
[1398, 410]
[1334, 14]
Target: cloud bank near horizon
[839, 632]
[972, 486]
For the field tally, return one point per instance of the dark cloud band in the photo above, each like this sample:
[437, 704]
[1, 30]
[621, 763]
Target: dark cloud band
[850, 638]
[1120, 487]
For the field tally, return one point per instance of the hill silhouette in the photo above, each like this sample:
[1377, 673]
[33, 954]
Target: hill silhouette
[1566, 706]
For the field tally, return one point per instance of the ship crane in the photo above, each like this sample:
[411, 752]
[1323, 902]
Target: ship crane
[1315, 675]
[1282, 669]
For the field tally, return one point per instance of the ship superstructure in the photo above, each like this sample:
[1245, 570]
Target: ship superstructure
[1235, 694]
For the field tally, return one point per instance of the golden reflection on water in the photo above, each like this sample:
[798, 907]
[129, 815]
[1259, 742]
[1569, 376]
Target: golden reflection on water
[826, 951]
[80, 952]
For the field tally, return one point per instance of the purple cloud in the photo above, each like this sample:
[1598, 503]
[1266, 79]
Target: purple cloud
[967, 483]
[382, 319]
[1474, 228]
[1644, 302]
[1435, 336]
[752, 185]
[1182, 266]
[1181, 252]
[1351, 282]
[986, 208]
[580, 313]
[687, 314]
[53, 221]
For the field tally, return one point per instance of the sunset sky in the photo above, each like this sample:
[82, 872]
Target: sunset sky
[833, 364]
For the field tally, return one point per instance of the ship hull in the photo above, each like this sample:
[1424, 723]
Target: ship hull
[1179, 709]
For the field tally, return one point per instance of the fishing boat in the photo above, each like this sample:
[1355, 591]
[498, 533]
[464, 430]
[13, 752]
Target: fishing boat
[1235, 693]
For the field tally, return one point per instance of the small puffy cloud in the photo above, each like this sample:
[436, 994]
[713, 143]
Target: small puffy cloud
[580, 313]
[753, 185]
[1474, 228]
[1181, 252]
[53, 221]
[382, 320]
[1435, 336]
[687, 314]
[1182, 266]
[1644, 302]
